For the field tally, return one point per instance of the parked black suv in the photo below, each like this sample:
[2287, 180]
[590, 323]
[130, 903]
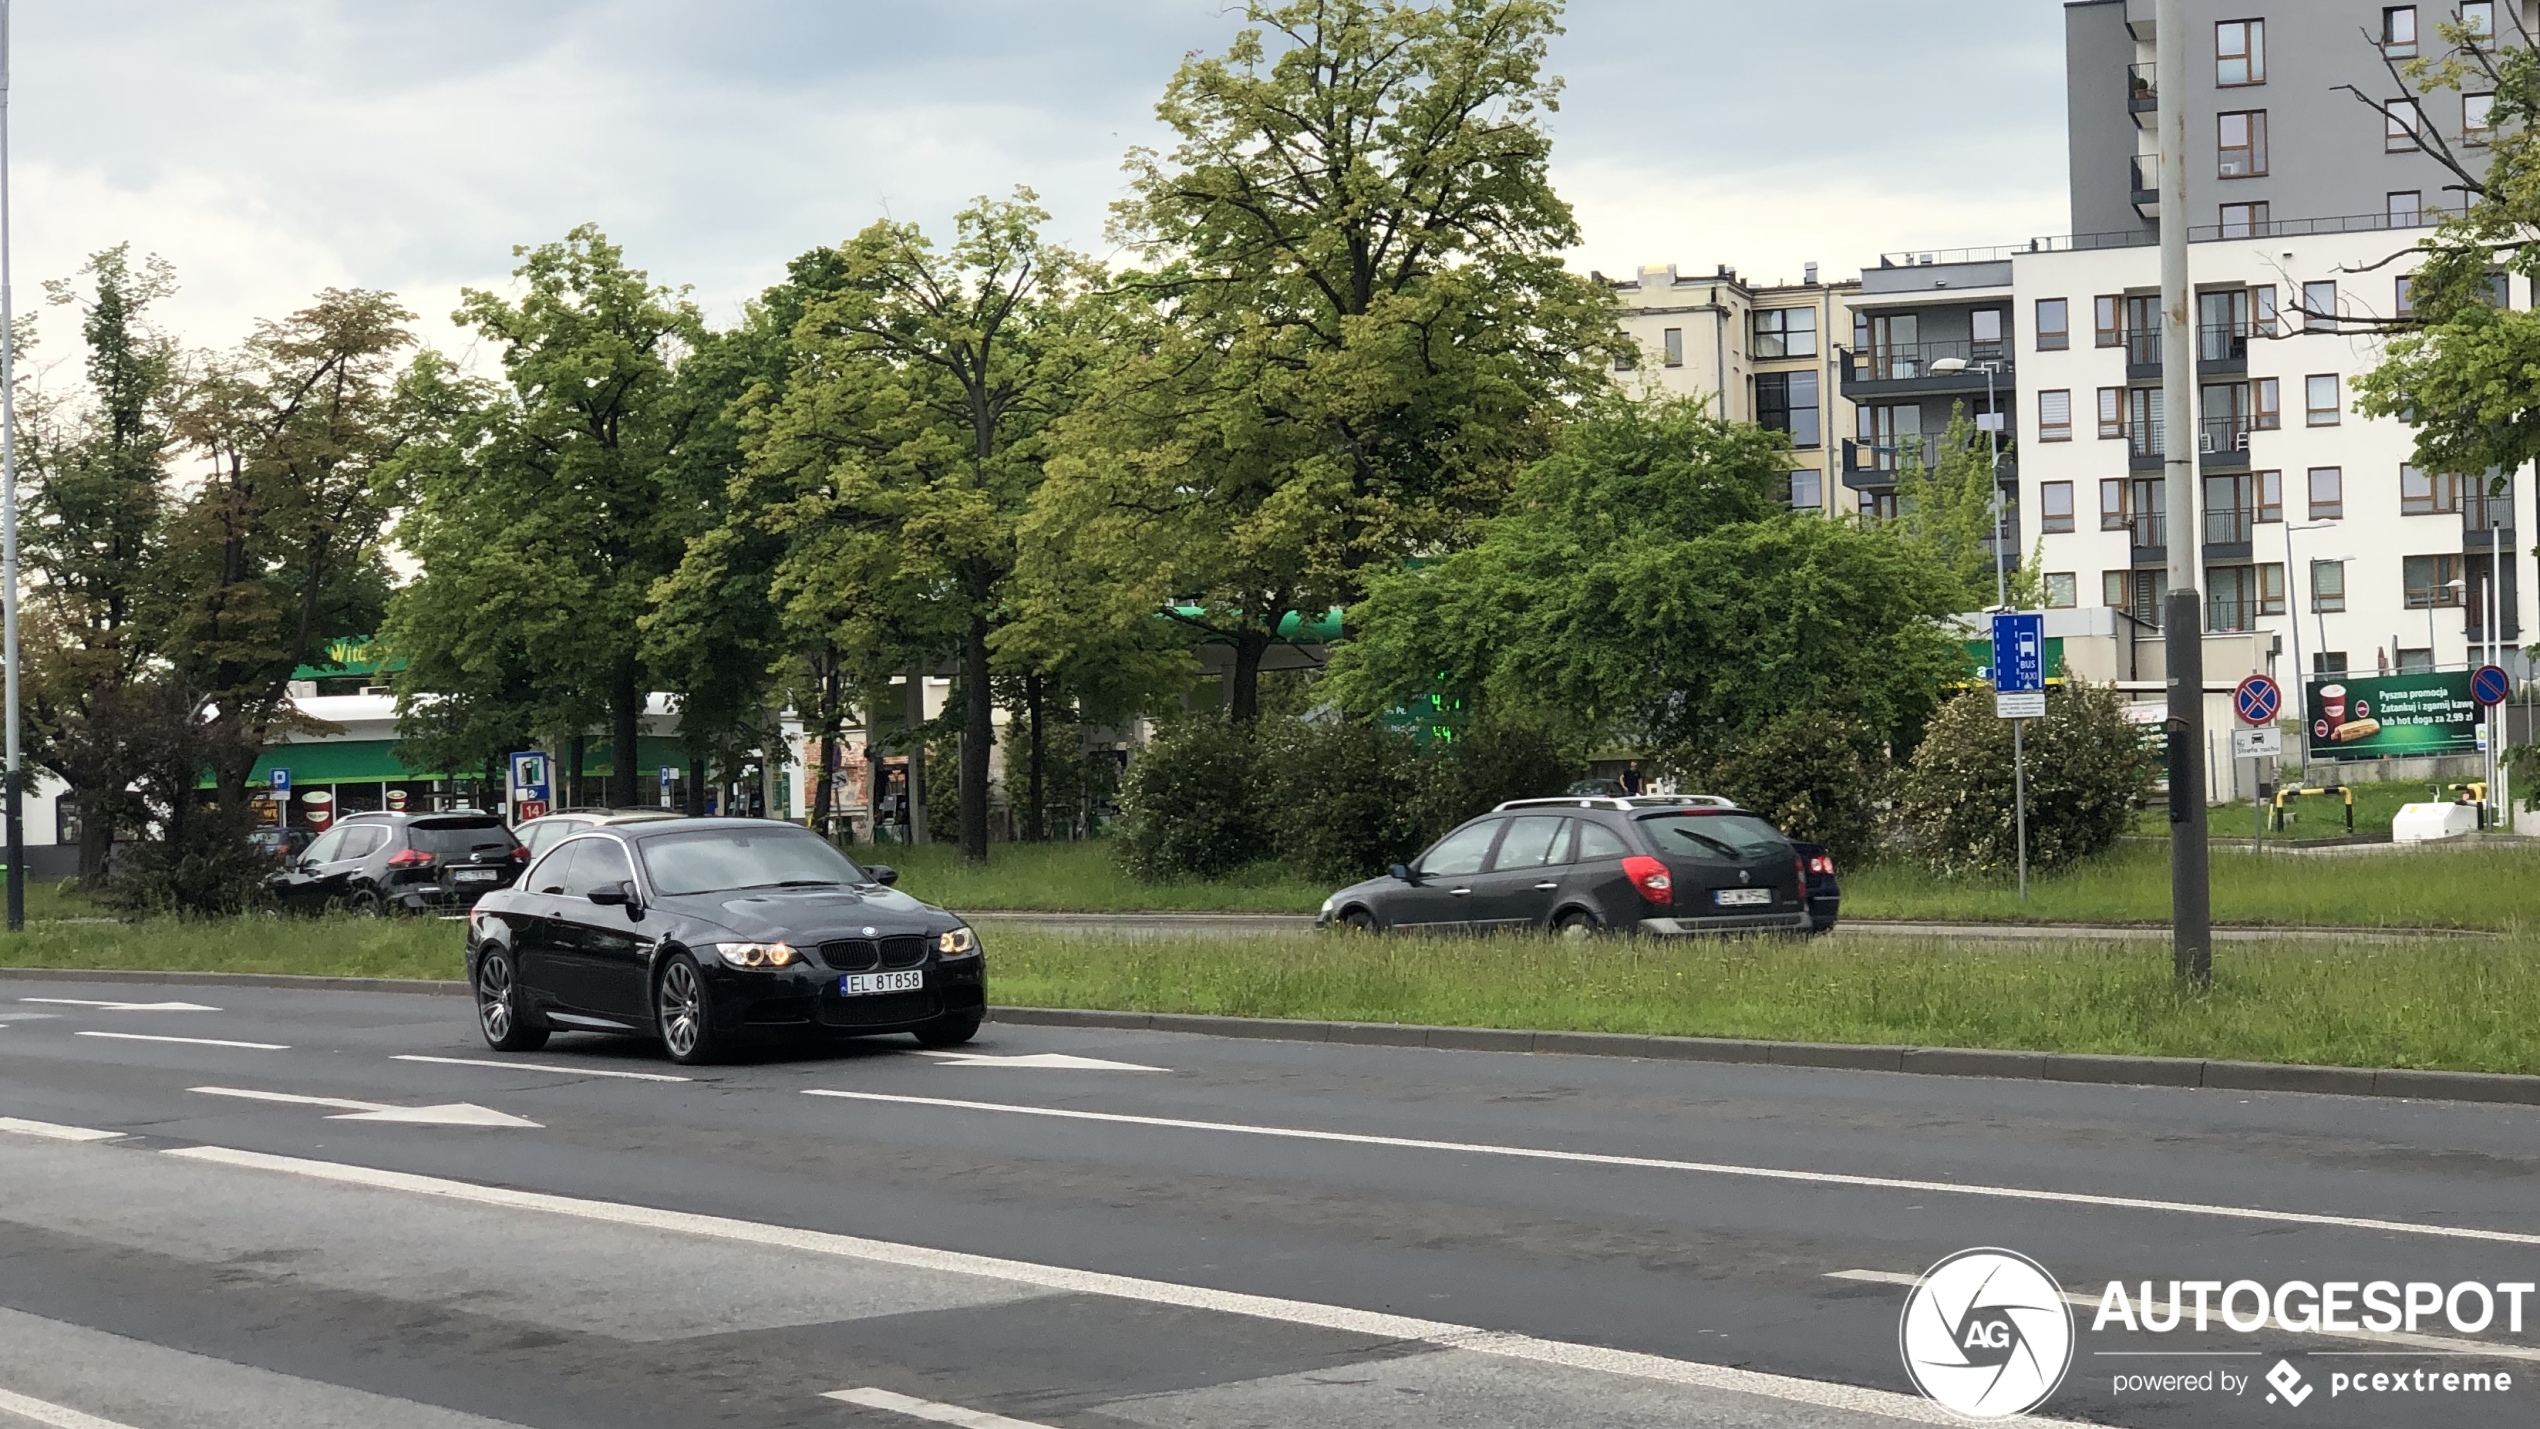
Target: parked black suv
[1653, 864]
[402, 863]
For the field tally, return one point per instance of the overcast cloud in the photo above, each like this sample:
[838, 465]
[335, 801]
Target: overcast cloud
[273, 147]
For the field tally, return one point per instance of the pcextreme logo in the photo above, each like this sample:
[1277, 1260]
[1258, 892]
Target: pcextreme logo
[1987, 1334]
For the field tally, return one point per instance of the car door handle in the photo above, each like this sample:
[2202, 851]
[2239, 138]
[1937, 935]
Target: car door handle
[1460, 892]
[1547, 885]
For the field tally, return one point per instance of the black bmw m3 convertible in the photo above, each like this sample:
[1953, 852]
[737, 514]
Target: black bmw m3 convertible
[706, 933]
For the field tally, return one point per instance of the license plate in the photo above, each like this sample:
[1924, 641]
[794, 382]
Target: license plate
[867, 984]
[476, 875]
[1743, 897]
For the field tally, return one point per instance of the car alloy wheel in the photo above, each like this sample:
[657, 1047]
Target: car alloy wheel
[685, 1013]
[1359, 920]
[1576, 927]
[498, 1009]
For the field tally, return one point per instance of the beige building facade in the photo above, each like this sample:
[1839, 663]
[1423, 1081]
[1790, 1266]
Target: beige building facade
[1761, 354]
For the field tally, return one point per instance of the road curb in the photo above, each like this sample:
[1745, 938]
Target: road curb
[2214, 1075]
[2002, 1065]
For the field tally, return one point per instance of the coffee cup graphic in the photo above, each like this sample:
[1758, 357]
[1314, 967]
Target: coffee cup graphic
[2332, 712]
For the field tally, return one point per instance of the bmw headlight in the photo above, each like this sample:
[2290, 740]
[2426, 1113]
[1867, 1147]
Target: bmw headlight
[758, 955]
[959, 943]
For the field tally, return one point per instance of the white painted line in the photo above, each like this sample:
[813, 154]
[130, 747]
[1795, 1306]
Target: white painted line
[2440, 1343]
[53, 1416]
[928, 1409]
[446, 1114]
[1068, 1280]
[1044, 1061]
[121, 1006]
[1713, 1168]
[189, 1041]
[539, 1067]
[52, 1132]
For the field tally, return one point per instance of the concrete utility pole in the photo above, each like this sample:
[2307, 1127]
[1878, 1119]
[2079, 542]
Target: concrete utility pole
[2191, 890]
[14, 781]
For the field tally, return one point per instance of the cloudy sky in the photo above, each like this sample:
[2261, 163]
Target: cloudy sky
[270, 148]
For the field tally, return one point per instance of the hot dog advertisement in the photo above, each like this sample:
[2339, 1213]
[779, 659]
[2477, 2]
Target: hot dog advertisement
[2392, 716]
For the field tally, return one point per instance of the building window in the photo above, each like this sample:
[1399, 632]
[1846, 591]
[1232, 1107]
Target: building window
[1891, 434]
[2262, 311]
[2400, 121]
[2329, 662]
[1787, 402]
[1674, 340]
[2479, 17]
[2403, 299]
[1985, 326]
[2266, 405]
[2319, 307]
[2107, 323]
[1786, 332]
[2054, 416]
[2416, 662]
[2063, 592]
[2433, 582]
[2242, 139]
[2138, 593]
[2328, 493]
[2478, 117]
[2328, 590]
[2054, 507]
[2240, 53]
[2321, 406]
[1877, 506]
[2420, 494]
[2112, 508]
[1807, 490]
[2399, 32]
[2244, 220]
[2241, 594]
[2270, 493]
[2111, 413]
[2404, 209]
[2054, 325]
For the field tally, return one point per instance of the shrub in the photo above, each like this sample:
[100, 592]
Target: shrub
[1345, 797]
[1819, 777]
[2088, 770]
[1191, 804]
[1487, 764]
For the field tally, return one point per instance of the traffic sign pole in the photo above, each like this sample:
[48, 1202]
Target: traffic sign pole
[2019, 695]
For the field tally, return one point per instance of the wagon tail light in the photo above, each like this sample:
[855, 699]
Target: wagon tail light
[520, 853]
[410, 858]
[1821, 864]
[1649, 876]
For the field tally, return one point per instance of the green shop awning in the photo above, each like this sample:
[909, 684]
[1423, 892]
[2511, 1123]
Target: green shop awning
[338, 761]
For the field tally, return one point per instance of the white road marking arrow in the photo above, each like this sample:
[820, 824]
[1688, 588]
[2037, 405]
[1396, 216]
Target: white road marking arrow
[447, 1114]
[121, 1006]
[1055, 1061]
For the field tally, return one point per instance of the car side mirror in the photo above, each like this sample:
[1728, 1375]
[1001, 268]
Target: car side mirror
[616, 895]
[1403, 872]
[884, 874]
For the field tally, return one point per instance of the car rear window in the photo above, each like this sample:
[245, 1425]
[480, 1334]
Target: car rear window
[1710, 835]
[726, 860]
[457, 838]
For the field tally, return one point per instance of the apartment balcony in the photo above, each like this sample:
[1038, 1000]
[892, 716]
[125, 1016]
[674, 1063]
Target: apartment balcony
[1905, 370]
[1875, 465]
[2487, 522]
[2230, 533]
[2143, 356]
[2147, 185]
[2143, 95]
[2149, 538]
[2222, 349]
[2222, 444]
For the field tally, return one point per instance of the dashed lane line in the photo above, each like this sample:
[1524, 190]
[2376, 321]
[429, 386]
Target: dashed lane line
[928, 1410]
[190, 1041]
[51, 1131]
[53, 1416]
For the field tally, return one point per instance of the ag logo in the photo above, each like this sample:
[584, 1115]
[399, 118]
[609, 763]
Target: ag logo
[1987, 1333]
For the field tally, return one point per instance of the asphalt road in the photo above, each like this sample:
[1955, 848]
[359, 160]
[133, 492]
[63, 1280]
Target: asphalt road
[291, 1215]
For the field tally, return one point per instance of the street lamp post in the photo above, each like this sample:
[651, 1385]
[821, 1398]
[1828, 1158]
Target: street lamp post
[1950, 367]
[2293, 614]
[15, 778]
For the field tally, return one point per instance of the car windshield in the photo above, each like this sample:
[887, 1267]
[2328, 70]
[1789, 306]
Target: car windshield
[1714, 835]
[727, 860]
[457, 838]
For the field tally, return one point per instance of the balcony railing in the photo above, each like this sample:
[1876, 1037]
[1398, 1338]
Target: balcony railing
[2143, 88]
[2228, 613]
[2215, 435]
[2152, 530]
[2222, 342]
[2230, 526]
[2143, 349]
[1907, 361]
[2144, 441]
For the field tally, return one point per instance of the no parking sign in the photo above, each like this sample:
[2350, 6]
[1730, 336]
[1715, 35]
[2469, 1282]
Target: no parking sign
[2258, 700]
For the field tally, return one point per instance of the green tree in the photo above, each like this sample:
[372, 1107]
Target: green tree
[1647, 586]
[2089, 769]
[98, 496]
[1358, 325]
[547, 515]
[1947, 508]
[892, 468]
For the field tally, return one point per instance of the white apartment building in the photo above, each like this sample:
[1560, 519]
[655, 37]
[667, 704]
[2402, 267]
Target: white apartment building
[2311, 526]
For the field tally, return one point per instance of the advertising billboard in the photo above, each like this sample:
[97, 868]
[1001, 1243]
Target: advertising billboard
[2392, 716]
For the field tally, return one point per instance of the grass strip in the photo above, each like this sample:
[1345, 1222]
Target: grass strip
[310, 947]
[2448, 1004]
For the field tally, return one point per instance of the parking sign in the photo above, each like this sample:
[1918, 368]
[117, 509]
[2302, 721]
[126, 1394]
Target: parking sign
[279, 781]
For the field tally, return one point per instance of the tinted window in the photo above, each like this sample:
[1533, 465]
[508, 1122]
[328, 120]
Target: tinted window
[1534, 841]
[362, 840]
[1715, 835]
[457, 838]
[552, 871]
[1461, 852]
[597, 863]
[544, 833]
[327, 847]
[1597, 841]
[721, 860]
